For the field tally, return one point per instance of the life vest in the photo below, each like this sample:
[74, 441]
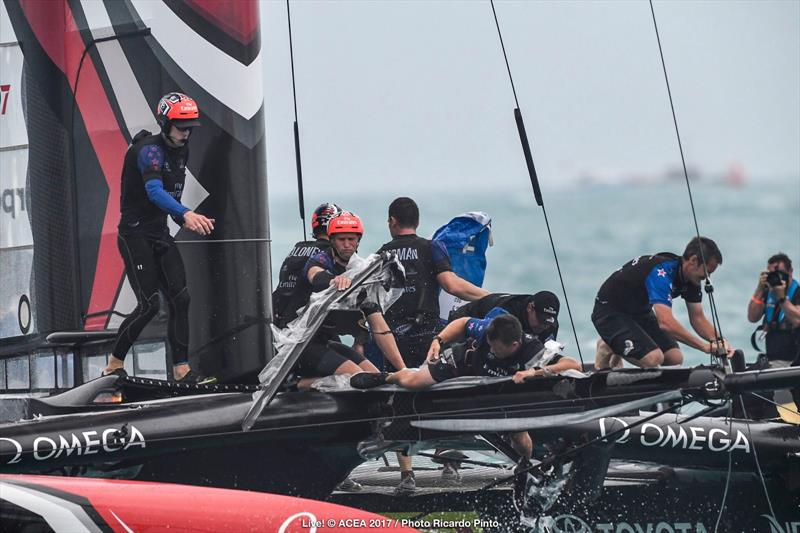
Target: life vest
[771, 321]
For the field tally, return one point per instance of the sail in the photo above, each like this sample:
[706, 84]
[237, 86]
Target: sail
[83, 80]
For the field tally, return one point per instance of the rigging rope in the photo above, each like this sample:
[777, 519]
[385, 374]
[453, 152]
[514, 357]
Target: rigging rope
[526, 148]
[298, 166]
[709, 288]
[715, 322]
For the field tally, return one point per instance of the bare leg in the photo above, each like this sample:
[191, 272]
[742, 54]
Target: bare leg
[412, 379]
[602, 356]
[113, 364]
[651, 360]
[367, 366]
[522, 444]
[348, 367]
[673, 357]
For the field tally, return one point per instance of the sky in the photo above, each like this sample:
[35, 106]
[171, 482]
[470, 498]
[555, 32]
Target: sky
[415, 95]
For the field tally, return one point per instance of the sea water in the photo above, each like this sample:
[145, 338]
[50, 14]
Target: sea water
[595, 230]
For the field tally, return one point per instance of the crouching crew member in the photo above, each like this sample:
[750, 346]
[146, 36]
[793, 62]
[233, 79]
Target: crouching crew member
[633, 309]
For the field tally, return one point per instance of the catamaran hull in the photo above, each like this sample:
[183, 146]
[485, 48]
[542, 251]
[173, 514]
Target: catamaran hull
[303, 444]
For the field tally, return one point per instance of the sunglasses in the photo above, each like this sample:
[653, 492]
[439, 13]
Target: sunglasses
[184, 129]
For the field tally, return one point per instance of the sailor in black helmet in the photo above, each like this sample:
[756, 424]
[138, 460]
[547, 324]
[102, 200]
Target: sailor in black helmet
[293, 290]
[153, 177]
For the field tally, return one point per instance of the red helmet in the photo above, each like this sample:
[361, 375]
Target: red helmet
[177, 109]
[345, 222]
[322, 215]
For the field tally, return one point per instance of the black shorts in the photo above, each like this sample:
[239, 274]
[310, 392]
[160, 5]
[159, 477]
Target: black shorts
[632, 336]
[322, 358]
[451, 364]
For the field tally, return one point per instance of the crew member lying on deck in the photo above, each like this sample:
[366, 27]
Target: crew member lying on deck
[495, 346]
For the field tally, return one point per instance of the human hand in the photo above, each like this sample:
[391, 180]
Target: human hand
[762, 282]
[198, 223]
[720, 347]
[341, 282]
[779, 290]
[433, 351]
[522, 375]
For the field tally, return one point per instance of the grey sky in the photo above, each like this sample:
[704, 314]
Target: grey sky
[418, 92]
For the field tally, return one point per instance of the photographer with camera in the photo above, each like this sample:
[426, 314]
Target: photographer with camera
[776, 302]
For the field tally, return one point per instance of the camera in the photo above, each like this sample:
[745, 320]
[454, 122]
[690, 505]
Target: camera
[776, 277]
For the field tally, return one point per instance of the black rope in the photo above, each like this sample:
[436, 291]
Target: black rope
[715, 322]
[298, 165]
[535, 180]
[755, 457]
[730, 470]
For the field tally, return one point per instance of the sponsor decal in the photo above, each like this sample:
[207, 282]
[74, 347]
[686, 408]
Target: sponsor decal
[567, 523]
[686, 437]
[13, 201]
[303, 251]
[5, 90]
[304, 520]
[44, 448]
[628, 347]
[407, 254]
[781, 527]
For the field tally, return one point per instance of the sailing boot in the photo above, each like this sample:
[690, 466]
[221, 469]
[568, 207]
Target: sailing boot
[407, 485]
[450, 473]
[195, 378]
[349, 485]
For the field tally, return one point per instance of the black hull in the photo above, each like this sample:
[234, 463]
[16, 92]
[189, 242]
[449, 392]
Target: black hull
[293, 449]
[304, 443]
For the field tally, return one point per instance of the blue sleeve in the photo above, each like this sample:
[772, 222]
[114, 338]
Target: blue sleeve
[441, 259]
[476, 327]
[165, 202]
[659, 285]
[319, 259]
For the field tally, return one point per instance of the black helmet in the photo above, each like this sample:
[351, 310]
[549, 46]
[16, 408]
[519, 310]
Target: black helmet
[322, 215]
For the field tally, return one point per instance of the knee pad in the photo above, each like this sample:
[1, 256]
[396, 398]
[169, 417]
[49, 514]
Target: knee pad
[180, 300]
[150, 306]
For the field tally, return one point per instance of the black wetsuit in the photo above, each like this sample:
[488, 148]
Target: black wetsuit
[475, 358]
[293, 288]
[152, 261]
[414, 318]
[623, 311]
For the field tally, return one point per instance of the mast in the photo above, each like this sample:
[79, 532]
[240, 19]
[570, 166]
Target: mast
[93, 73]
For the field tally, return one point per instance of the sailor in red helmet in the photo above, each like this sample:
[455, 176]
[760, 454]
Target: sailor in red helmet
[153, 176]
[325, 355]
